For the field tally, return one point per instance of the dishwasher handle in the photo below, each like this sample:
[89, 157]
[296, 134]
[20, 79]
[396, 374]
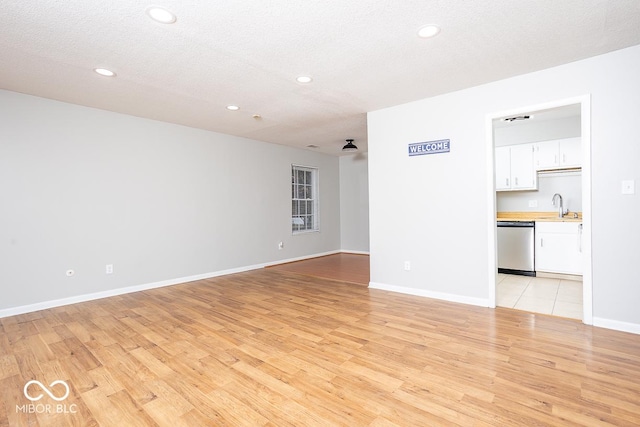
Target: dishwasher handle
[530, 224]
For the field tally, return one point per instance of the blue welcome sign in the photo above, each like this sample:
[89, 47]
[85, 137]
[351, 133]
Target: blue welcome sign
[429, 147]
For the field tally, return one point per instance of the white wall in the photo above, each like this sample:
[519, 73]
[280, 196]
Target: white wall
[81, 188]
[432, 210]
[354, 203]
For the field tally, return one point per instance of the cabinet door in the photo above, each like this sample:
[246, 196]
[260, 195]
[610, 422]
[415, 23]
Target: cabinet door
[558, 248]
[503, 168]
[547, 155]
[523, 174]
[571, 152]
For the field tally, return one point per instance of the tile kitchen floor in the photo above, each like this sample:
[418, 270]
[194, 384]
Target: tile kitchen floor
[540, 295]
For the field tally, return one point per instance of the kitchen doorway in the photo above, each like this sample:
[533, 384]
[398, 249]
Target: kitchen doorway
[530, 128]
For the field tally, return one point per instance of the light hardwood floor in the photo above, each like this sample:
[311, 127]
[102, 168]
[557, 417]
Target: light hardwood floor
[276, 348]
[345, 267]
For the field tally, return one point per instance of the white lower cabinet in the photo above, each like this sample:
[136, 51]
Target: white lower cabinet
[558, 247]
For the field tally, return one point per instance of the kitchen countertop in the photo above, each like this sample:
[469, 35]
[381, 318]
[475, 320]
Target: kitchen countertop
[538, 216]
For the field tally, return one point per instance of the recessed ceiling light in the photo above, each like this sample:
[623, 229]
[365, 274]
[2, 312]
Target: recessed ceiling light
[104, 72]
[161, 15]
[304, 79]
[428, 31]
[233, 107]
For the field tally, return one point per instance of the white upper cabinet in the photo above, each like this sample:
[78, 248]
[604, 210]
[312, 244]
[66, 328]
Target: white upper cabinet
[558, 154]
[546, 155]
[514, 168]
[571, 152]
[503, 168]
[523, 174]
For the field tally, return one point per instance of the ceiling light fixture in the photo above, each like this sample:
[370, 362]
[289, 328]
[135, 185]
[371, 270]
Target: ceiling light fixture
[161, 15]
[512, 119]
[428, 31]
[349, 146]
[304, 79]
[233, 107]
[104, 72]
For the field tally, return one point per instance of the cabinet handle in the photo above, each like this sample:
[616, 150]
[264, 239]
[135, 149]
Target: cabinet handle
[564, 158]
[541, 242]
[507, 181]
[516, 180]
[555, 159]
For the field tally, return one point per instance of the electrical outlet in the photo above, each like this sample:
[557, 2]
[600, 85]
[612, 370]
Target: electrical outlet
[407, 265]
[628, 187]
[280, 245]
[108, 269]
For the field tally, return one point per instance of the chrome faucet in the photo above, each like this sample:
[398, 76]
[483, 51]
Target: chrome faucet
[560, 208]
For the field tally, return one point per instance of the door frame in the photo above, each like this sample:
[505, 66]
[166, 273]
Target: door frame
[585, 123]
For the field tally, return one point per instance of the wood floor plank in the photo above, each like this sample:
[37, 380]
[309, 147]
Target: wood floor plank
[289, 347]
[234, 412]
[328, 401]
[114, 411]
[8, 366]
[169, 406]
[345, 267]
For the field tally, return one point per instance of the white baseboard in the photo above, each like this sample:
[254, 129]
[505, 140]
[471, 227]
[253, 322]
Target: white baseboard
[29, 308]
[349, 251]
[481, 302]
[617, 325]
[300, 258]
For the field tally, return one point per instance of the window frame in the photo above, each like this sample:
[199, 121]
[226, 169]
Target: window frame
[314, 189]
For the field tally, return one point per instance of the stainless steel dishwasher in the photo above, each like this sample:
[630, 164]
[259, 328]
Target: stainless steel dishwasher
[516, 246]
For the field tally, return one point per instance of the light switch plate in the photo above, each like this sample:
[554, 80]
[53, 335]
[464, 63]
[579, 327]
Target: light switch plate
[628, 187]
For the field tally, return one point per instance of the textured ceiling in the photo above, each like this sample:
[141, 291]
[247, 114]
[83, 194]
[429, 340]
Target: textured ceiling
[362, 54]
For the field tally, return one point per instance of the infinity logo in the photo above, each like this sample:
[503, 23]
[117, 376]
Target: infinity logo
[46, 390]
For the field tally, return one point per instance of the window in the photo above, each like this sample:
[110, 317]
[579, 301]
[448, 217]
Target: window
[304, 199]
